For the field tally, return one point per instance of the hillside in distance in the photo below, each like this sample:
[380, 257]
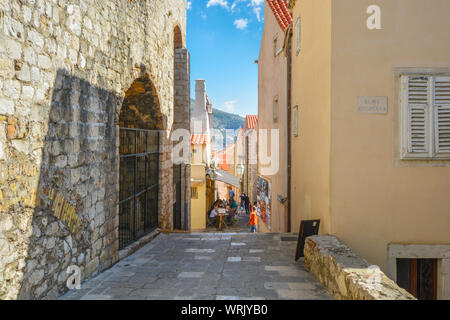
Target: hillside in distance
[223, 121]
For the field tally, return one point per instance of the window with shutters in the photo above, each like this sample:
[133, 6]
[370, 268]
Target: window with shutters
[194, 193]
[426, 117]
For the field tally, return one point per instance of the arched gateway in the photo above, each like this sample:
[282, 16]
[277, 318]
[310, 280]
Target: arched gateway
[140, 122]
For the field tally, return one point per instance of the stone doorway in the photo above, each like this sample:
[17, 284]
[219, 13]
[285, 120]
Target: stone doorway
[177, 205]
[140, 124]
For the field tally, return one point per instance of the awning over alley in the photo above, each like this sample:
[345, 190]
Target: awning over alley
[227, 178]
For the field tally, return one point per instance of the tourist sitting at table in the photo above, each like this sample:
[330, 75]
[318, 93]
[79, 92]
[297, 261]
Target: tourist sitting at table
[215, 215]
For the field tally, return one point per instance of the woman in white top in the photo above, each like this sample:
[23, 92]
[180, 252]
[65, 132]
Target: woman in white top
[214, 212]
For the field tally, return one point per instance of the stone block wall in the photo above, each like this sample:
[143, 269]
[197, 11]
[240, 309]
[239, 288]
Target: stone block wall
[65, 66]
[346, 275]
[182, 120]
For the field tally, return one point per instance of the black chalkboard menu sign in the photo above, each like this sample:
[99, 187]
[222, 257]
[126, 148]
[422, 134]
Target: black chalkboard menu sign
[307, 228]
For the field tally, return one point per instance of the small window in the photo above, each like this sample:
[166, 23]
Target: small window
[298, 34]
[418, 277]
[275, 46]
[425, 117]
[194, 193]
[275, 110]
[295, 121]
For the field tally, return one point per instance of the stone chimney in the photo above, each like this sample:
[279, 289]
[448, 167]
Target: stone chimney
[200, 121]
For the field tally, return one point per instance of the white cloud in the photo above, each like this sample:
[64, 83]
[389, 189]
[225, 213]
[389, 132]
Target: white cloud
[256, 3]
[257, 7]
[189, 5]
[235, 3]
[241, 23]
[229, 106]
[257, 11]
[222, 3]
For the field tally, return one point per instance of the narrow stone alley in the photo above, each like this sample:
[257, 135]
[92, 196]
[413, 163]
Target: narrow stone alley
[205, 266]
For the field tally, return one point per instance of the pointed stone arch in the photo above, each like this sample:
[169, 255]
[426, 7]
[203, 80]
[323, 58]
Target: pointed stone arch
[177, 38]
[140, 171]
[141, 107]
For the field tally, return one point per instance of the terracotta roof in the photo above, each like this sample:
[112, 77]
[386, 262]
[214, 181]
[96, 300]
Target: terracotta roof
[226, 157]
[251, 122]
[199, 139]
[281, 12]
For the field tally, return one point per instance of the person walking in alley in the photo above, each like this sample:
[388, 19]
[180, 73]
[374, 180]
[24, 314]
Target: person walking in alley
[247, 204]
[231, 193]
[253, 222]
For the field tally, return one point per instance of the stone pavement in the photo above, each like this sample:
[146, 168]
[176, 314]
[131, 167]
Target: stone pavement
[221, 266]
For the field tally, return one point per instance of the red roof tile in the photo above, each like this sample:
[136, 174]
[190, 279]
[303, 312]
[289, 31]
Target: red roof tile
[281, 12]
[251, 122]
[199, 139]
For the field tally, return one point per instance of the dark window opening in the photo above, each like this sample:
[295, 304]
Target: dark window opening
[419, 277]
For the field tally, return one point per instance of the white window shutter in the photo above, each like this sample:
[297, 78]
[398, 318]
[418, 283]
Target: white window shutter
[442, 114]
[417, 113]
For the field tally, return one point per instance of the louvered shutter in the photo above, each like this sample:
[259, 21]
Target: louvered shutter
[442, 114]
[417, 112]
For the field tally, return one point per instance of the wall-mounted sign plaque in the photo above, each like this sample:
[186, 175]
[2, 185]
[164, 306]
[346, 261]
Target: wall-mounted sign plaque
[373, 105]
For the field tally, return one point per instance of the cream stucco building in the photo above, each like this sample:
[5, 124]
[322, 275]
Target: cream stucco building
[371, 132]
[273, 110]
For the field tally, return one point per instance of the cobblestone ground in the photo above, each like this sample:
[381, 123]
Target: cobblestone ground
[221, 266]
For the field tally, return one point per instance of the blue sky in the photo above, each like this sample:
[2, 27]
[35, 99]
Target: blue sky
[223, 37]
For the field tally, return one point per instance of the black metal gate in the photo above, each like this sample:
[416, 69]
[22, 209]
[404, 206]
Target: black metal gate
[177, 196]
[139, 178]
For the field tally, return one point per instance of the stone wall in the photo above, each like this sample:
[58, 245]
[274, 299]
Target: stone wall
[65, 66]
[346, 275]
[182, 120]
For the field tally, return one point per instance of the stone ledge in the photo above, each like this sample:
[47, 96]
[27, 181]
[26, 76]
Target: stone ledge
[346, 275]
[132, 248]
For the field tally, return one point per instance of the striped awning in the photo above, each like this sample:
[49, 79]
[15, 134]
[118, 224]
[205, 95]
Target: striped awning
[251, 122]
[199, 139]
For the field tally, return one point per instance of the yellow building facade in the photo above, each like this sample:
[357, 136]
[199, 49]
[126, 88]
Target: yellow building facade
[198, 186]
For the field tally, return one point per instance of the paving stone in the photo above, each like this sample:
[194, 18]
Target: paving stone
[96, 297]
[244, 292]
[190, 275]
[238, 298]
[276, 285]
[252, 259]
[193, 250]
[234, 259]
[268, 294]
[120, 292]
[203, 258]
[181, 267]
[299, 295]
